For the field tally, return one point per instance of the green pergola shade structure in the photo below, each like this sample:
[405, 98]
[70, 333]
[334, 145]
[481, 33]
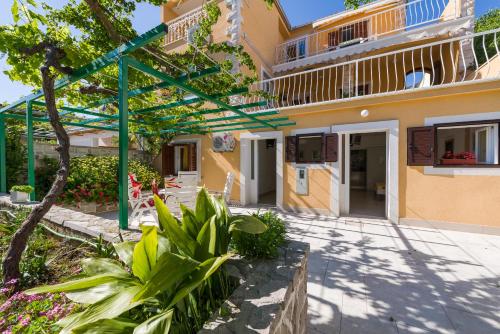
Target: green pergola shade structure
[94, 117]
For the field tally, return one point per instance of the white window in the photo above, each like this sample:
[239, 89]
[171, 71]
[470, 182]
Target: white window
[467, 145]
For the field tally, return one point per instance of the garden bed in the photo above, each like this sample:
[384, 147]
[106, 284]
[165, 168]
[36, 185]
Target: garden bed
[271, 297]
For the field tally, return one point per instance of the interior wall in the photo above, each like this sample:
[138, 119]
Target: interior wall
[374, 144]
[267, 167]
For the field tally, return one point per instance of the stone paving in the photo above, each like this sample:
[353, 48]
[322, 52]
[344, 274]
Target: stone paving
[369, 276]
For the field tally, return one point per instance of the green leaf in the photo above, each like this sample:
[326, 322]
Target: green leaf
[108, 326]
[174, 232]
[144, 257]
[98, 266]
[108, 308]
[204, 206]
[203, 272]
[190, 224]
[15, 11]
[170, 269]
[159, 324]
[96, 294]
[125, 251]
[207, 238]
[247, 224]
[79, 284]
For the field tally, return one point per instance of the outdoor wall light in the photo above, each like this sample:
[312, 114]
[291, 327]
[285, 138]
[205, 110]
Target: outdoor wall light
[365, 113]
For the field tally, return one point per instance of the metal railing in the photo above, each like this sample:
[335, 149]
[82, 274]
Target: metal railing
[407, 16]
[468, 58]
[178, 28]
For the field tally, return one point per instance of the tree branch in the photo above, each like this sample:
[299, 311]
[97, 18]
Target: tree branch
[98, 11]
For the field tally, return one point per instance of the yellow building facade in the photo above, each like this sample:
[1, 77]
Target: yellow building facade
[396, 114]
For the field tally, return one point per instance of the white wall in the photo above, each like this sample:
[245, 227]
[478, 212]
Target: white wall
[267, 167]
[94, 139]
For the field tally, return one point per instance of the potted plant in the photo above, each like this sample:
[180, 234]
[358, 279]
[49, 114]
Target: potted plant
[20, 193]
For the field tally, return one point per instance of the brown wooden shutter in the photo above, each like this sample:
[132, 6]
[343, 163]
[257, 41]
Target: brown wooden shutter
[420, 149]
[168, 160]
[331, 147]
[291, 148]
[192, 158]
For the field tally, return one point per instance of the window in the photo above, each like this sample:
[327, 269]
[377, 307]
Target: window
[310, 148]
[296, 50]
[467, 145]
[423, 77]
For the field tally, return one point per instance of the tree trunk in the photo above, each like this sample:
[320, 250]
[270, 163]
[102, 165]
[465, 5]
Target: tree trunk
[20, 238]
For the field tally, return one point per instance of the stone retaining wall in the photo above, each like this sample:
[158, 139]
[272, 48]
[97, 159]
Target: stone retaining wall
[48, 150]
[272, 296]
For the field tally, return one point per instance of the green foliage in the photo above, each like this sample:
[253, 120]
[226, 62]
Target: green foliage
[22, 188]
[95, 179]
[33, 264]
[263, 245]
[45, 174]
[169, 281]
[15, 152]
[34, 314]
[489, 21]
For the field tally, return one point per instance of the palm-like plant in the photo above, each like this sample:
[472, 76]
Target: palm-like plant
[172, 269]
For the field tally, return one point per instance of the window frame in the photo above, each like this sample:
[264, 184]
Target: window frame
[485, 123]
[316, 134]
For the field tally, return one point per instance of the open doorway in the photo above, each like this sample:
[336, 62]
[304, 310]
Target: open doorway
[265, 176]
[367, 174]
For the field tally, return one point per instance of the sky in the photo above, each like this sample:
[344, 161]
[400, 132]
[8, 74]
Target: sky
[148, 16]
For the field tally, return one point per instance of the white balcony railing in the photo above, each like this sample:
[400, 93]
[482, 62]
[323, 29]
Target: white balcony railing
[178, 28]
[399, 18]
[468, 58]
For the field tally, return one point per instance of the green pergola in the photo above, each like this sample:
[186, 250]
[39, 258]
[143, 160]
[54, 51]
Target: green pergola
[92, 118]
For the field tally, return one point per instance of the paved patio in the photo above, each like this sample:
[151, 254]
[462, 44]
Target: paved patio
[368, 276]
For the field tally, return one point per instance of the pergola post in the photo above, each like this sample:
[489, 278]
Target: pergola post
[123, 141]
[30, 147]
[3, 162]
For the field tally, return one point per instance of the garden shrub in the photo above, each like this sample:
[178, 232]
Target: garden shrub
[263, 245]
[95, 179]
[45, 175]
[15, 150]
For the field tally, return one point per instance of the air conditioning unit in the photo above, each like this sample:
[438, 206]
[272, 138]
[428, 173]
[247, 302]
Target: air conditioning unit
[223, 142]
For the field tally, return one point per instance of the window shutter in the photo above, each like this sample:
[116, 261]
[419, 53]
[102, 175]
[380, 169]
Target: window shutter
[420, 148]
[291, 148]
[192, 158]
[331, 147]
[168, 160]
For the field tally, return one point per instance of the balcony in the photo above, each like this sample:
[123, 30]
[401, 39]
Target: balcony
[179, 28]
[451, 62]
[396, 19]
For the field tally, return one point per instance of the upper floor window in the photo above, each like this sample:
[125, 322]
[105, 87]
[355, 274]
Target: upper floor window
[348, 34]
[296, 50]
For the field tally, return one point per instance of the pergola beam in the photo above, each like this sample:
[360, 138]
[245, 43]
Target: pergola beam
[162, 85]
[184, 102]
[227, 118]
[165, 77]
[99, 63]
[215, 126]
[254, 127]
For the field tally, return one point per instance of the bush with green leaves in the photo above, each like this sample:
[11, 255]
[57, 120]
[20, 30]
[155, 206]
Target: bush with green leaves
[264, 245]
[22, 189]
[169, 281]
[95, 179]
[45, 174]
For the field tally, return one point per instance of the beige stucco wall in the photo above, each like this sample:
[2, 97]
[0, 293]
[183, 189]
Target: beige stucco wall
[460, 199]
